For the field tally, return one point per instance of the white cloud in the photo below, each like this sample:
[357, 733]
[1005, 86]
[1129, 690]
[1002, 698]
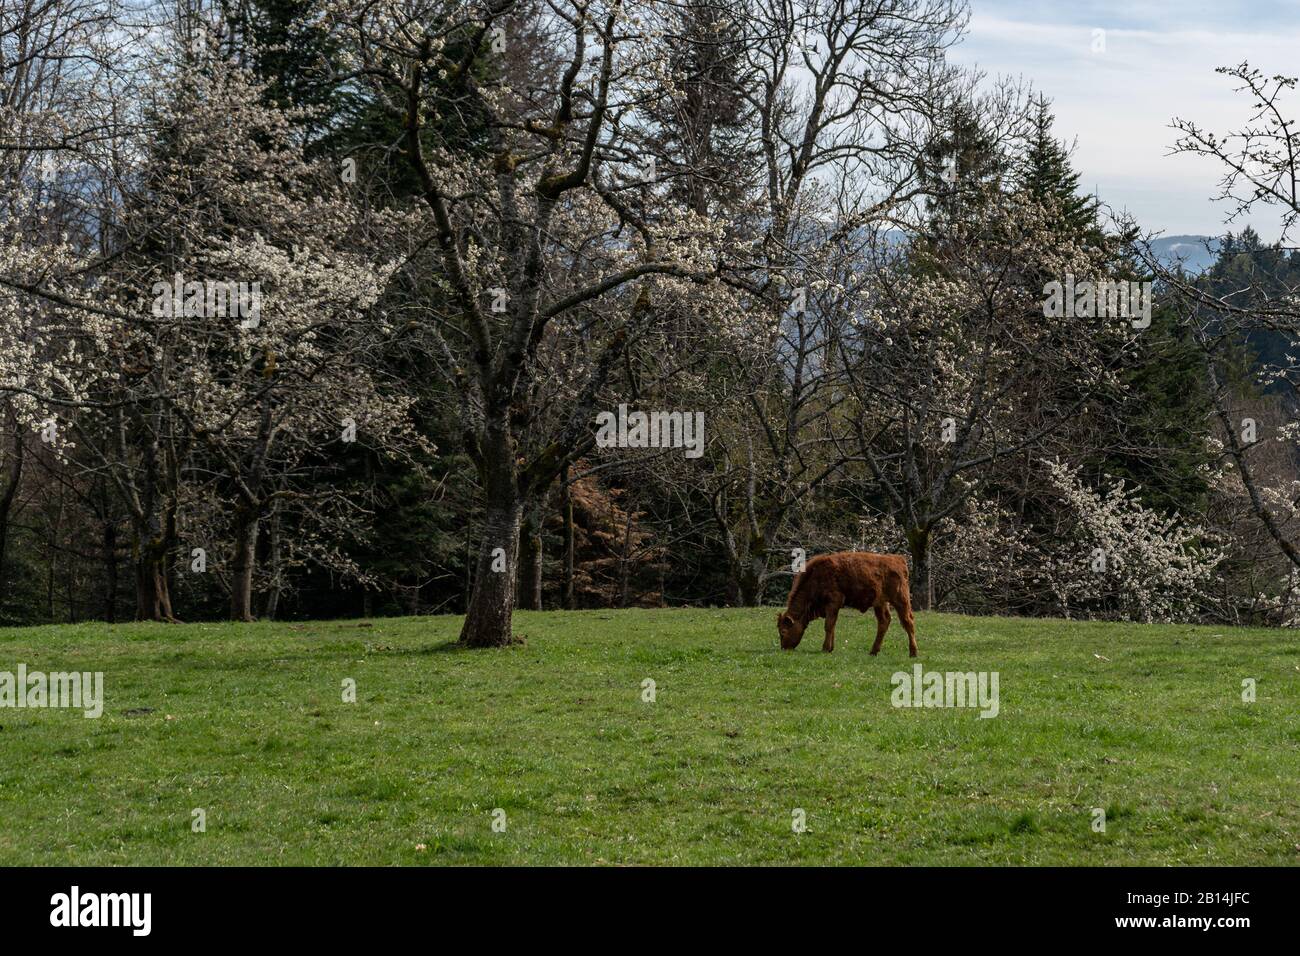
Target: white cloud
[1158, 64]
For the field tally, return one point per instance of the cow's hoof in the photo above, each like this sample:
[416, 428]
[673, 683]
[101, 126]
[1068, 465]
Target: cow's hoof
[911, 653]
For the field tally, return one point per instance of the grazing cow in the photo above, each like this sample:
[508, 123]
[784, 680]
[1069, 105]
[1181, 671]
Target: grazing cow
[856, 579]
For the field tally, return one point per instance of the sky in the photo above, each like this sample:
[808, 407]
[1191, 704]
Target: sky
[1116, 106]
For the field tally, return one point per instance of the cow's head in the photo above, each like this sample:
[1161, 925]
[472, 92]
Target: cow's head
[791, 631]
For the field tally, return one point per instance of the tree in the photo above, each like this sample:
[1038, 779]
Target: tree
[62, 130]
[1259, 169]
[282, 386]
[506, 214]
[837, 89]
[1046, 176]
[964, 366]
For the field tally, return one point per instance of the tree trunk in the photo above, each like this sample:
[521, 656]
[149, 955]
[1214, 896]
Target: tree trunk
[273, 560]
[918, 542]
[50, 569]
[625, 564]
[752, 579]
[733, 588]
[241, 584]
[530, 561]
[153, 600]
[110, 572]
[468, 587]
[492, 602]
[70, 585]
[8, 494]
[567, 508]
[4, 541]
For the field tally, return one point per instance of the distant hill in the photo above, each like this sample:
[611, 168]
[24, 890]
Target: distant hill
[1195, 253]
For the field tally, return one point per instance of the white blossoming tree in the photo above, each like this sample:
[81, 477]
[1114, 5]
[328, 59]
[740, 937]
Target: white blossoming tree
[229, 339]
[958, 368]
[1111, 556]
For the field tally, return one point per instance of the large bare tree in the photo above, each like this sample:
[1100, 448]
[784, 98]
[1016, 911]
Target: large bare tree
[528, 224]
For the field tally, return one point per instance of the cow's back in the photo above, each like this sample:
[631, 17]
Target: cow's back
[861, 577]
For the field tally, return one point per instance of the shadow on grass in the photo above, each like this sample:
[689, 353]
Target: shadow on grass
[452, 646]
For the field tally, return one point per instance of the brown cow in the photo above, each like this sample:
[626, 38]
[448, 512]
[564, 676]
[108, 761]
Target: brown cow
[856, 579]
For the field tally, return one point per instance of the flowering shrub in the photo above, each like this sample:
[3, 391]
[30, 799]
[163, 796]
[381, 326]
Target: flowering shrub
[1116, 558]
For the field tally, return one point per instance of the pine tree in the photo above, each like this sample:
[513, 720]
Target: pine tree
[702, 131]
[1046, 175]
[962, 167]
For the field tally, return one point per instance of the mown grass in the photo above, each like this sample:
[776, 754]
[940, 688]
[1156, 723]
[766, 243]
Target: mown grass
[247, 722]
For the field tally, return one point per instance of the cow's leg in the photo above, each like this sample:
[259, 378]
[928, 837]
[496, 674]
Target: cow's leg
[832, 612]
[882, 625]
[904, 607]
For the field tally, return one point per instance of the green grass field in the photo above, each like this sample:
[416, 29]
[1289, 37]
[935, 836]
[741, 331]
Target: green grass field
[247, 722]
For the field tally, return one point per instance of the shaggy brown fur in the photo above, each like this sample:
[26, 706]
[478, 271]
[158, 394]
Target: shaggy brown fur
[856, 579]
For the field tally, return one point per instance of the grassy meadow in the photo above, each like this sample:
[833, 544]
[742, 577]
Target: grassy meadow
[551, 753]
